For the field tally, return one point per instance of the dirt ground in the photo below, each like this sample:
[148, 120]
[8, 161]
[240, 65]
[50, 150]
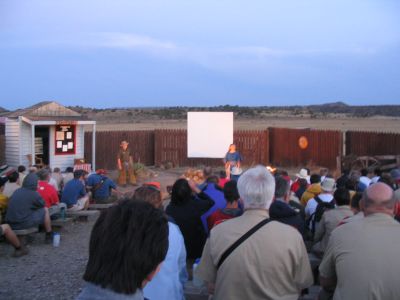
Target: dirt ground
[380, 124]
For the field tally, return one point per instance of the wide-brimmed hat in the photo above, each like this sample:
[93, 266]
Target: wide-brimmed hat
[302, 174]
[328, 185]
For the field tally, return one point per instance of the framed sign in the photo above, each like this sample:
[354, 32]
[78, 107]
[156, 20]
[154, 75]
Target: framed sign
[65, 139]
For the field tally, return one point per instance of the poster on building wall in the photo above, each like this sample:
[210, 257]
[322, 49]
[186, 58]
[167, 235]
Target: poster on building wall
[65, 139]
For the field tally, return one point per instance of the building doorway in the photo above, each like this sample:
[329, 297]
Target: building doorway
[42, 146]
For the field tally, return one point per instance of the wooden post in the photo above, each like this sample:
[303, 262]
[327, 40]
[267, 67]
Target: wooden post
[94, 148]
[344, 141]
[33, 162]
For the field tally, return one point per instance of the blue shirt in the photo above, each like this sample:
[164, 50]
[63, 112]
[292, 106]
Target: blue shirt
[169, 281]
[73, 190]
[104, 190]
[96, 292]
[219, 203]
[233, 157]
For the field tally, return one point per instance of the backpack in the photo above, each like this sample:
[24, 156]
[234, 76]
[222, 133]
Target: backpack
[319, 211]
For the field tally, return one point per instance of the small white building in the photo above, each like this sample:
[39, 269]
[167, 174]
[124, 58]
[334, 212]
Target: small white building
[46, 133]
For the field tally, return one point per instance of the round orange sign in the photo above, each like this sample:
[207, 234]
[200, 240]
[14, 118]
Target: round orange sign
[303, 142]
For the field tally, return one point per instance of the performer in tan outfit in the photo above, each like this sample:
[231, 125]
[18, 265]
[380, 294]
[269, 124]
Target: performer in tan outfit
[125, 165]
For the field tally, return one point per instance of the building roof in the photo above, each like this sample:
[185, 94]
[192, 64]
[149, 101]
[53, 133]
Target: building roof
[47, 110]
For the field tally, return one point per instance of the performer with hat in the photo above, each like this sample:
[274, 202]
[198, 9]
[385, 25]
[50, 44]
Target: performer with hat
[125, 165]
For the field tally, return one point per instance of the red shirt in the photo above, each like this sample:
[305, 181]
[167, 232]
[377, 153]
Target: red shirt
[295, 186]
[222, 182]
[48, 193]
[218, 217]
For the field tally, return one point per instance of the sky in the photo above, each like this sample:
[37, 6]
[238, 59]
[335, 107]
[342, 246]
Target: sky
[126, 53]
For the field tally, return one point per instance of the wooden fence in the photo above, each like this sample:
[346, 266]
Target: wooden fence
[276, 146]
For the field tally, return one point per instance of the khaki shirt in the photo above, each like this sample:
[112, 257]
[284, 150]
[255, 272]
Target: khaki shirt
[364, 258]
[271, 264]
[124, 155]
[329, 221]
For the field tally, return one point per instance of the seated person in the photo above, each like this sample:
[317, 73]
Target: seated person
[313, 190]
[10, 236]
[49, 193]
[127, 246]
[74, 194]
[3, 198]
[12, 185]
[213, 191]
[26, 208]
[68, 175]
[281, 211]
[169, 282]
[188, 204]
[59, 179]
[330, 220]
[101, 187]
[231, 210]
[355, 208]
[22, 173]
[222, 179]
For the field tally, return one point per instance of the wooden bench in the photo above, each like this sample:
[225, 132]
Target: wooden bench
[83, 215]
[98, 206]
[24, 233]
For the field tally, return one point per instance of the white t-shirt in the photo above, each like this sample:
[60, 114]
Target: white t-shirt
[312, 203]
[365, 180]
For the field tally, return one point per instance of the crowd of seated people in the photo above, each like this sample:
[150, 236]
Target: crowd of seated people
[254, 236]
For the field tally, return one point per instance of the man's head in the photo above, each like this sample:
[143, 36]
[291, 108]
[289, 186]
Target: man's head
[256, 188]
[342, 196]
[21, 169]
[315, 178]
[79, 174]
[355, 202]
[149, 193]
[378, 198]
[43, 175]
[56, 170]
[124, 145]
[328, 185]
[282, 188]
[127, 245]
[377, 171]
[13, 176]
[207, 171]
[323, 172]
[231, 193]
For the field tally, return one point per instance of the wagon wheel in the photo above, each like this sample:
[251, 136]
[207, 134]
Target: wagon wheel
[365, 162]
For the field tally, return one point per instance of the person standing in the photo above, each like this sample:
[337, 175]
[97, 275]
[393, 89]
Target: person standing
[125, 165]
[232, 159]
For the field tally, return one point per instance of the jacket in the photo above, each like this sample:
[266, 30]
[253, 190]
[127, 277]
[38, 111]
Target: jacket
[25, 201]
[282, 212]
[312, 191]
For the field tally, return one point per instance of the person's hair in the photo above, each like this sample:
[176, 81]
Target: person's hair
[43, 174]
[207, 171]
[281, 187]
[315, 178]
[149, 194]
[368, 202]
[78, 174]
[378, 171]
[127, 243]
[256, 188]
[181, 192]
[302, 182]
[13, 177]
[355, 174]
[355, 201]
[342, 196]
[21, 169]
[222, 174]
[281, 173]
[323, 171]
[213, 179]
[364, 172]
[351, 184]
[386, 178]
[308, 171]
[231, 193]
[56, 170]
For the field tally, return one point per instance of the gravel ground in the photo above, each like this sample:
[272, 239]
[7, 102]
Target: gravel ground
[46, 272]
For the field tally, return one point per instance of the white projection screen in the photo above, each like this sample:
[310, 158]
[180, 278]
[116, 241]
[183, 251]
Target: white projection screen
[209, 134]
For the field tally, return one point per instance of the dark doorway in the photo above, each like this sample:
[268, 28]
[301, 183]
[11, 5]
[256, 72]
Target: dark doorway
[42, 137]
